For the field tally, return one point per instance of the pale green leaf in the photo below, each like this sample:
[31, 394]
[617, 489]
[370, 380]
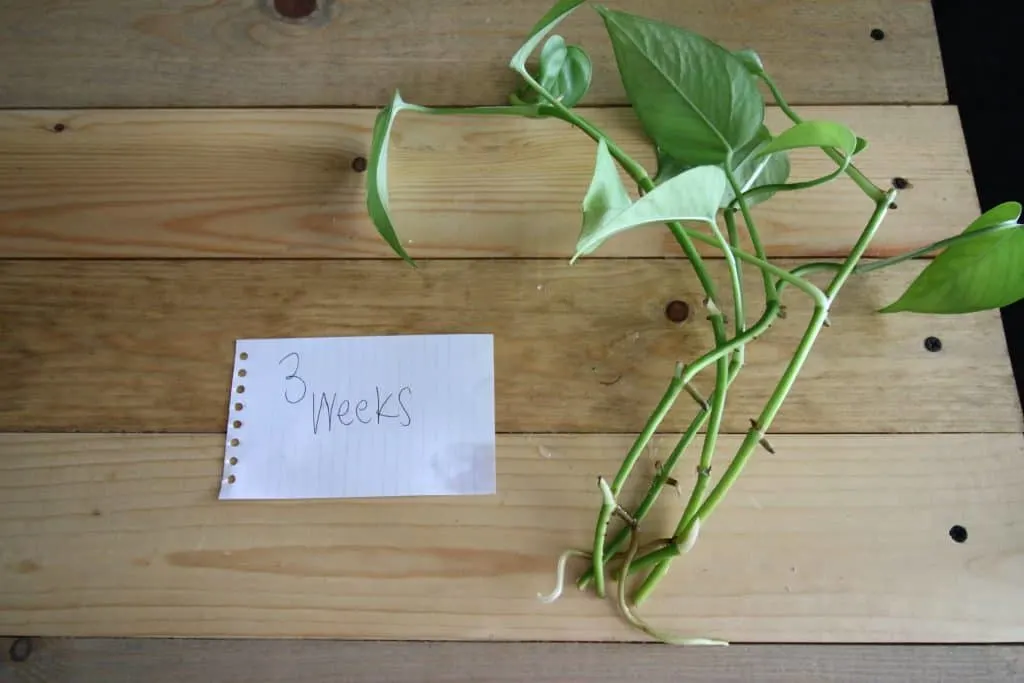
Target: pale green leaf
[552, 60]
[606, 195]
[978, 274]
[814, 134]
[696, 100]
[692, 195]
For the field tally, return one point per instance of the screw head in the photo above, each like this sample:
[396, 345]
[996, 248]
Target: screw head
[958, 533]
[900, 183]
[359, 164]
[877, 34]
[933, 344]
[677, 311]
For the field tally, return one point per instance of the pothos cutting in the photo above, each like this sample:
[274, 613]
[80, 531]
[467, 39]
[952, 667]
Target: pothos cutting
[701, 107]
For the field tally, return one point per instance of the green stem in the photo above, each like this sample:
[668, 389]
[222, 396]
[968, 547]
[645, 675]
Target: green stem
[660, 479]
[868, 187]
[771, 312]
[787, 276]
[603, 518]
[867, 267]
[769, 291]
[782, 389]
[703, 476]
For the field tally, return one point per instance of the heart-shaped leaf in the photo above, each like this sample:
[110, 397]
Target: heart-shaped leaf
[978, 274]
[696, 100]
[692, 195]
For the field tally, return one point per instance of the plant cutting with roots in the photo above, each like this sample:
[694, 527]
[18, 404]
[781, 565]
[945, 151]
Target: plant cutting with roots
[702, 109]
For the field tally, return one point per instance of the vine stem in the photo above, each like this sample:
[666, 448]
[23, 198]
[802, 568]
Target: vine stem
[748, 335]
[755, 239]
[778, 397]
[870, 266]
[869, 188]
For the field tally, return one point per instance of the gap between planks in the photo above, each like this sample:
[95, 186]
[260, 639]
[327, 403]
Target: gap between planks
[834, 538]
[147, 346]
[280, 184]
[88, 660]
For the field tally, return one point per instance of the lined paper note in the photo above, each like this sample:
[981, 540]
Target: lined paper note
[355, 417]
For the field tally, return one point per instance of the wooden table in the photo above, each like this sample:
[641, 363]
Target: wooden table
[176, 175]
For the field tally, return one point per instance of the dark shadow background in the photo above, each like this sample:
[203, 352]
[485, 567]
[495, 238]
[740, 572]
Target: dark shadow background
[982, 47]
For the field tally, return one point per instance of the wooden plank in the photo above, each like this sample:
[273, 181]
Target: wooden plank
[87, 660]
[279, 183]
[148, 345]
[835, 538]
[144, 53]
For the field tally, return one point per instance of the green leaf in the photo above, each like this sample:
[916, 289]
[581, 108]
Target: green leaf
[695, 99]
[814, 134]
[606, 195]
[547, 23]
[692, 195]
[377, 176]
[978, 274]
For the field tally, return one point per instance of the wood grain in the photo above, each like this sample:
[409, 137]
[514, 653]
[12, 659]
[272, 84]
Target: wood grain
[89, 660]
[834, 538]
[279, 183]
[145, 53]
[148, 345]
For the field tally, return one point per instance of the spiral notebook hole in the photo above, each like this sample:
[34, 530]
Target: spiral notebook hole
[235, 442]
[237, 424]
[241, 389]
[231, 479]
[241, 373]
[239, 406]
[233, 460]
[243, 355]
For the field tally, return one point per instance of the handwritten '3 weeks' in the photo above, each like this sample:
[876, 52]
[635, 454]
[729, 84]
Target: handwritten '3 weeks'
[398, 410]
[296, 390]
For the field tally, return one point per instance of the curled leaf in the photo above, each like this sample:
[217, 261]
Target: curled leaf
[982, 273]
[547, 23]
[564, 71]
[377, 176]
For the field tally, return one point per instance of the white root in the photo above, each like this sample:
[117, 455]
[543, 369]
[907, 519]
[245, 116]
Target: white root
[560, 575]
